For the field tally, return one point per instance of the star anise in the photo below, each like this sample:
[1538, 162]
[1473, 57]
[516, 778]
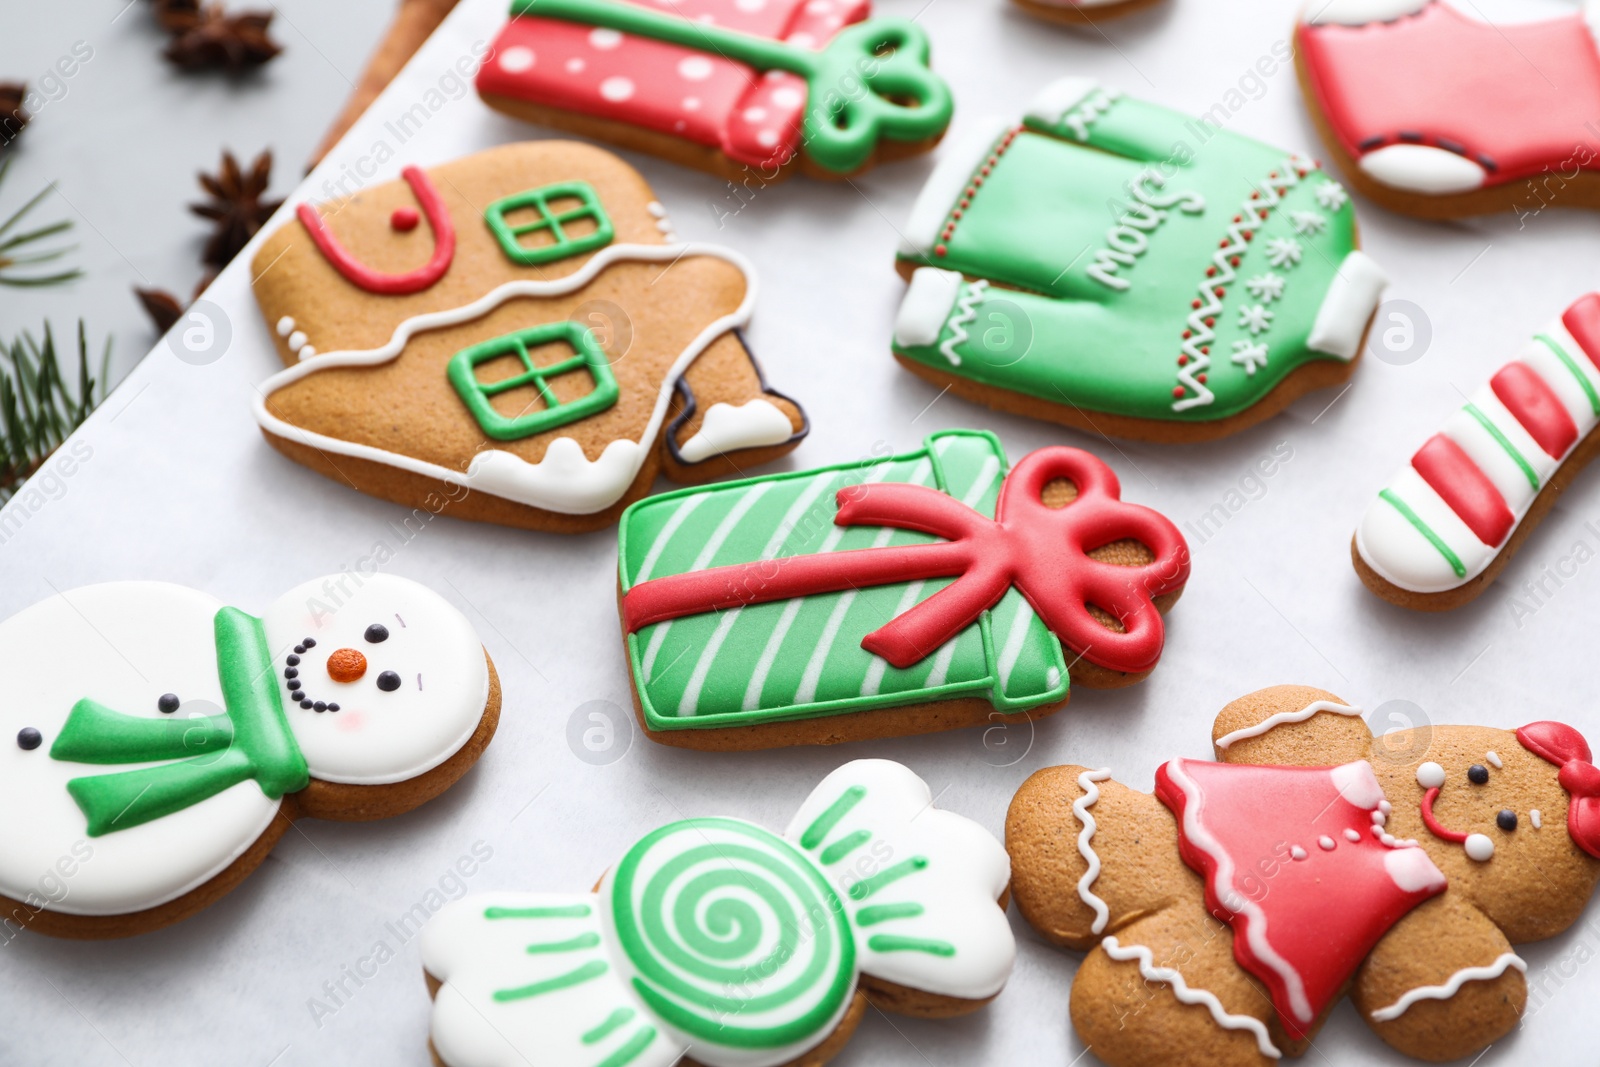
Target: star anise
[206, 36]
[236, 209]
[162, 307]
[13, 116]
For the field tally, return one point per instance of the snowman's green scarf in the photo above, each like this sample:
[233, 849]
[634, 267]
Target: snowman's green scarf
[249, 740]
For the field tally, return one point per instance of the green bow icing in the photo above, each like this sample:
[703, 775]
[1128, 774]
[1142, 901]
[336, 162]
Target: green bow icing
[871, 82]
[249, 740]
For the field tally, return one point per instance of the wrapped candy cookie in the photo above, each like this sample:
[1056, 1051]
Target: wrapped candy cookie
[1229, 912]
[901, 594]
[163, 741]
[740, 947]
[1227, 284]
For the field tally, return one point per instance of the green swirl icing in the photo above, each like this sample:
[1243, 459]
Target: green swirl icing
[721, 930]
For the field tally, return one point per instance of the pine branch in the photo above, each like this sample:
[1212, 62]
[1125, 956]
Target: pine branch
[18, 250]
[38, 409]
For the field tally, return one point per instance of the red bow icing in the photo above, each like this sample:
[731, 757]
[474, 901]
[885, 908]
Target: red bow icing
[1565, 747]
[1040, 550]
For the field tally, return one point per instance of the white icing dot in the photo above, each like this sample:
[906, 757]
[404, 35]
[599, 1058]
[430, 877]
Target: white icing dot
[1351, 835]
[657, 209]
[1379, 818]
[1479, 847]
[750, 5]
[1297, 852]
[691, 103]
[1385, 807]
[1326, 842]
[616, 88]
[803, 40]
[1533, 817]
[755, 115]
[1430, 775]
[575, 65]
[307, 352]
[604, 39]
[766, 138]
[297, 341]
[285, 326]
[788, 96]
[1494, 759]
[695, 68]
[516, 60]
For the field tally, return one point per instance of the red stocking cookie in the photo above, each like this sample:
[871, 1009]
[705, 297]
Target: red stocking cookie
[1226, 914]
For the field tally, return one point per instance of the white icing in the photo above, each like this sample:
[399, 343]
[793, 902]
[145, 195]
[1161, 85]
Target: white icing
[306, 352]
[1189, 995]
[1400, 553]
[1451, 986]
[1493, 759]
[1080, 808]
[378, 738]
[965, 312]
[1411, 870]
[1351, 299]
[1359, 12]
[1420, 168]
[1297, 852]
[1430, 775]
[728, 428]
[285, 326]
[1359, 786]
[1228, 740]
[1351, 835]
[943, 188]
[561, 481]
[1327, 843]
[297, 341]
[1534, 817]
[1051, 104]
[1479, 848]
[925, 307]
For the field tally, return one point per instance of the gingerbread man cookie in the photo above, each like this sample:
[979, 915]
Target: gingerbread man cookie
[1448, 523]
[717, 938]
[163, 741]
[516, 337]
[1429, 110]
[746, 89]
[902, 594]
[1227, 913]
[1227, 285]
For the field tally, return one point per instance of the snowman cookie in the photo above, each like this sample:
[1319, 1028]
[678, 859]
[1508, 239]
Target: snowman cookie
[740, 947]
[1228, 913]
[746, 89]
[516, 337]
[1223, 283]
[1432, 111]
[159, 742]
[1444, 528]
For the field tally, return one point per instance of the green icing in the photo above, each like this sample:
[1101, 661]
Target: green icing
[888, 876]
[823, 824]
[1505, 443]
[560, 911]
[802, 658]
[870, 82]
[251, 739]
[895, 943]
[695, 901]
[577, 976]
[1426, 531]
[549, 222]
[1572, 367]
[631, 1048]
[587, 357]
[605, 1029]
[873, 914]
[589, 939]
[1099, 243]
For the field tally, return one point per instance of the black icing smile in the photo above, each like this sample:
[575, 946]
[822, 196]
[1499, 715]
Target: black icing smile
[387, 681]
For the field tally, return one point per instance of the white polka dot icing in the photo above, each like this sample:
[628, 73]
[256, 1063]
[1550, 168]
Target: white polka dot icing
[604, 39]
[617, 88]
[516, 60]
[695, 68]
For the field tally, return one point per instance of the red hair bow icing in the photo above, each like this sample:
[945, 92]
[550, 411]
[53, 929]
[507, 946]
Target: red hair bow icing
[1565, 747]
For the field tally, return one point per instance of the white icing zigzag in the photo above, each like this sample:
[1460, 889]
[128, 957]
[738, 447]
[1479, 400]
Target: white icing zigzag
[1452, 986]
[1187, 995]
[1080, 808]
[966, 310]
[1228, 740]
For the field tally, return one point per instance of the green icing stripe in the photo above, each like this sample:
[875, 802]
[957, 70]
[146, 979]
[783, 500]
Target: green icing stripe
[894, 943]
[1583, 379]
[824, 823]
[844, 846]
[630, 1051]
[563, 911]
[572, 944]
[1426, 531]
[614, 1020]
[873, 914]
[868, 886]
[1505, 443]
[591, 970]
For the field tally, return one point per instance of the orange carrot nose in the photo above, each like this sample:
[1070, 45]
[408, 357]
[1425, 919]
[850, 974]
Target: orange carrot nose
[346, 665]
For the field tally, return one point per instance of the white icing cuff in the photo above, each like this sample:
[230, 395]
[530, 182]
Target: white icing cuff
[1351, 300]
[926, 306]
[943, 187]
[565, 481]
[1420, 168]
[1060, 96]
[727, 428]
[1359, 12]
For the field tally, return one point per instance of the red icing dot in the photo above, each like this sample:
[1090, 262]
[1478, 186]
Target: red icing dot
[405, 219]
[1238, 218]
[1211, 272]
[1220, 291]
[1222, 244]
[966, 201]
[1205, 350]
[939, 250]
[1201, 378]
[1194, 303]
[1211, 322]
[1182, 360]
[1234, 261]
[1177, 391]
[1187, 334]
[977, 183]
[956, 214]
[1255, 194]
[1248, 235]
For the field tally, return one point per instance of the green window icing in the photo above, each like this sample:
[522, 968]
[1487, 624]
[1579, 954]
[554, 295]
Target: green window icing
[550, 222]
[726, 922]
[587, 357]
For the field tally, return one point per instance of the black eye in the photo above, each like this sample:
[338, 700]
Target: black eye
[1478, 774]
[388, 681]
[1506, 820]
[377, 632]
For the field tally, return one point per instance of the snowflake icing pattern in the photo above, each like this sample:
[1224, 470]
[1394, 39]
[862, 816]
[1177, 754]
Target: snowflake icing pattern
[1266, 287]
[1308, 223]
[1284, 251]
[1251, 355]
[1331, 195]
[1255, 318]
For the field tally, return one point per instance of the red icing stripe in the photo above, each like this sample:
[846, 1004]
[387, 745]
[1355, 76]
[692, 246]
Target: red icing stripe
[1536, 407]
[1582, 321]
[1468, 491]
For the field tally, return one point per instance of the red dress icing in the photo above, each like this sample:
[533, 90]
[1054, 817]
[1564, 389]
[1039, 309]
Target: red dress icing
[1515, 98]
[751, 118]
[1304, 915]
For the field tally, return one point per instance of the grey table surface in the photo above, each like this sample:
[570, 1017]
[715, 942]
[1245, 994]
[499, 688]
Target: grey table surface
[180, 487]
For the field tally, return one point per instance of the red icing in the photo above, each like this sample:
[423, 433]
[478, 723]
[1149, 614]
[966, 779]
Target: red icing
[1468, 491]
[373, 281]
[1519, 96]
[1302, 926]
[751, 118]
[1431, 821]
[1536, 406]
[1565, 747]
[1041, 551]
[405, 219]
[1582, 321]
